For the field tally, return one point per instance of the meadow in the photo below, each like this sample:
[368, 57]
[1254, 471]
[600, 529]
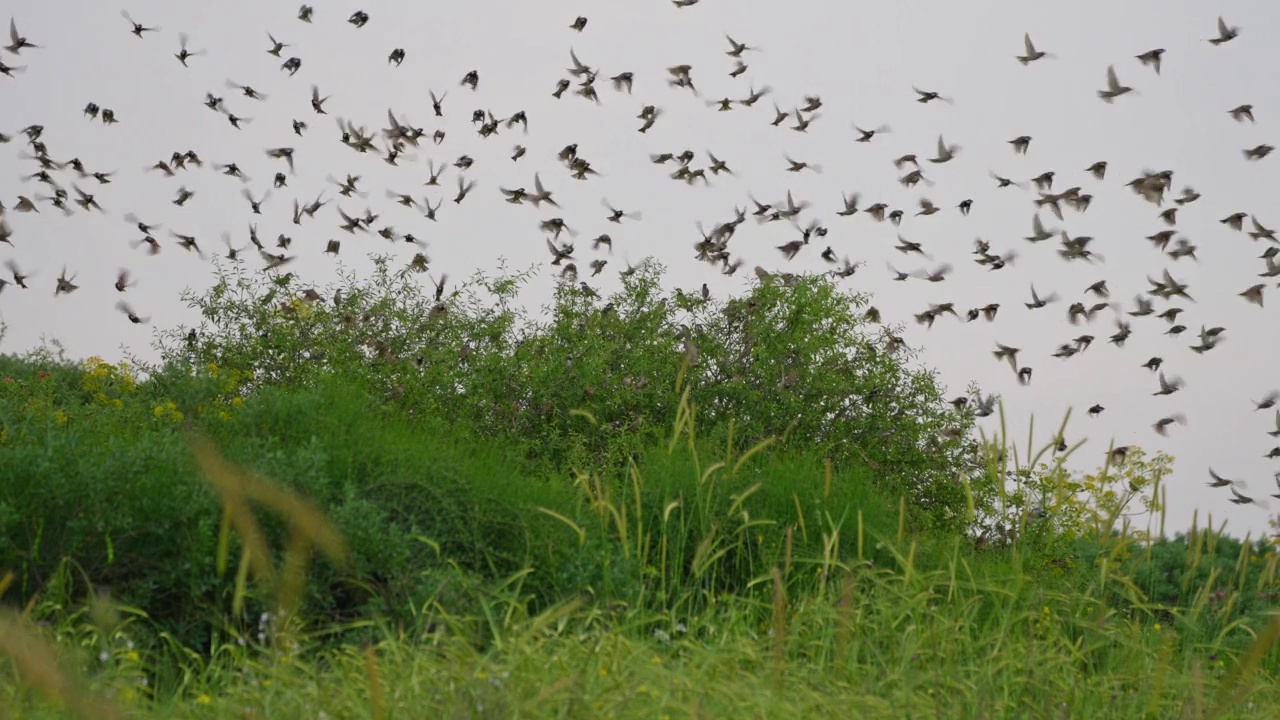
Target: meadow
[384, 502]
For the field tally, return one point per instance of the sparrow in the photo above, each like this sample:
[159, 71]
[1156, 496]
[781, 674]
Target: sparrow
[1114, 88]
[1031, 54]
[1152, 57]
[17, 42]
[138, 28]
[123, 307]
[1240, 113]
[1225, 34]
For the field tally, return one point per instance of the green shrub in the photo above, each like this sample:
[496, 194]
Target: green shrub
[794, 358]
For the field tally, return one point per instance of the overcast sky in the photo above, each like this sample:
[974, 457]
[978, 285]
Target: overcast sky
[862, 59]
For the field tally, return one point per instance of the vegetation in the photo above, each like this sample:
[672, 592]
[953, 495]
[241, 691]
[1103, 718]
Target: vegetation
[646, 505]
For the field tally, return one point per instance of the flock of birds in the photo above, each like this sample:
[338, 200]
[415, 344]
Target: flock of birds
[70, 186]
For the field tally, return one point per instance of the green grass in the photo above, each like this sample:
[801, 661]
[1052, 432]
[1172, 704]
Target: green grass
[207, 543]
[664, 617]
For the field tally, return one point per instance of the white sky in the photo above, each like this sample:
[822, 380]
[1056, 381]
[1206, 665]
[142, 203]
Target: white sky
[862, 59]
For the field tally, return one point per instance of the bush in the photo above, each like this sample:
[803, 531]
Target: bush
[112, 488]
[793, 358]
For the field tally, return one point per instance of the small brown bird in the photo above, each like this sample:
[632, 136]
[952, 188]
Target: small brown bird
[464, 187]
[65, 284]
[1235, 221]
[623, 81]
[1254, 294]
[1114, 88]
[1225, 34]
[1219, 481]
[1117, 456]
[797, 166]
[1031, 54]
[16, 41]
[616, 215]
[1260, 231]
[1269, 401]
[926, 96]
[736, 48]
[1152, 58]
[945, 152]
[1161, 426]
[1258, 152]
[1240, 113]
[138, 28]
[1239, 499]
[866, 135]
[183, 53]
[1169, 387]
[123, 307]
[1004, 182]
[1038, 302]
[937, 275]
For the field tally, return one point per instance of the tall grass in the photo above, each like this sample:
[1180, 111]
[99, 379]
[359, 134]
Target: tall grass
[259, 529]
[758, 582]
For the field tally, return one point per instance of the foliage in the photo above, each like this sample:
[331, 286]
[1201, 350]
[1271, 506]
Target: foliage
[641, 505]
[792, 358]
[111, 488]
